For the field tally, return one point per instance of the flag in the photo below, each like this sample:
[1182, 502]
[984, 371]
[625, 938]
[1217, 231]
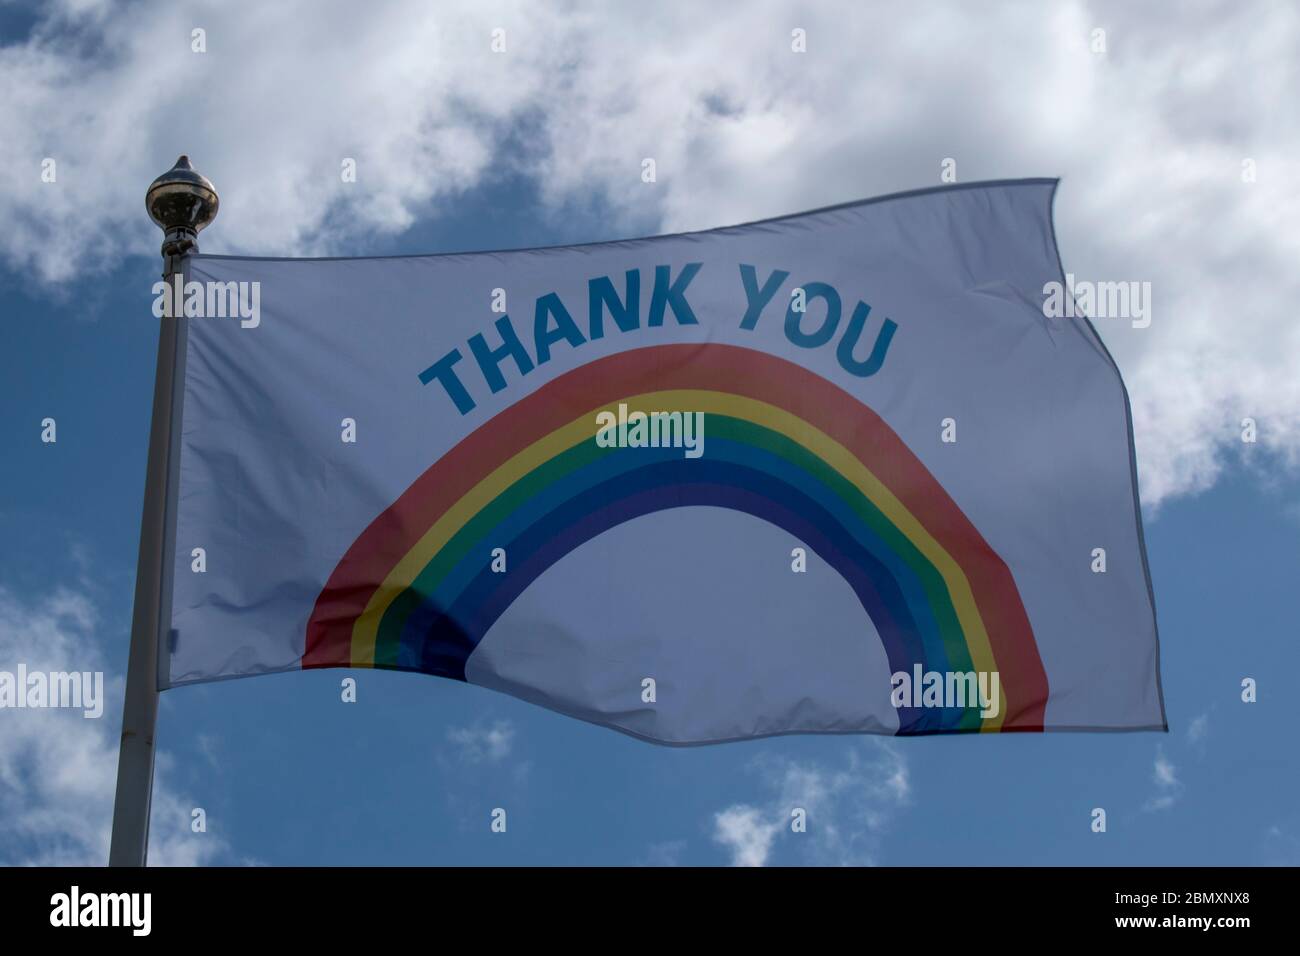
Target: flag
[835, 472]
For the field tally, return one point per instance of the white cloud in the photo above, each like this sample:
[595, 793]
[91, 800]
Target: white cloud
[1149, 138]
[746, 833]
[482, 743]
[282, 96]
[475, 771]
[1168, 787]
[1164, 773]
[1197, 729]
[847, 809]
[57, 768]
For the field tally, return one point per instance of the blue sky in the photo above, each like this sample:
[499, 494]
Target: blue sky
[410, 773]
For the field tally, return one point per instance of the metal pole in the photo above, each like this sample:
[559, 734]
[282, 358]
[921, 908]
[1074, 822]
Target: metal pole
[181, 202]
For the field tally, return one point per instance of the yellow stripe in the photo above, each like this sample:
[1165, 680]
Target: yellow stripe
[365, 631]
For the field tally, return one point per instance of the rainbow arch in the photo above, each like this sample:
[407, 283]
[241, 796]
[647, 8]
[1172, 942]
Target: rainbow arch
[416, 591]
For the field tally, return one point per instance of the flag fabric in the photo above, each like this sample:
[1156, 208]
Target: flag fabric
[836, 472]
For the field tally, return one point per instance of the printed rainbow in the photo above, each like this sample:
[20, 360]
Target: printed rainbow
[416, 591]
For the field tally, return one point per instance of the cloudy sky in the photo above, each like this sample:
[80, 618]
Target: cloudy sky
[1176, 139]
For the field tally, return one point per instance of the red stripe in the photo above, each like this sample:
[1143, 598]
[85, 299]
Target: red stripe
[722, 368]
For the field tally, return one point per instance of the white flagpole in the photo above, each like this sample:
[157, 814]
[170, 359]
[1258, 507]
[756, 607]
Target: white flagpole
[181, 202]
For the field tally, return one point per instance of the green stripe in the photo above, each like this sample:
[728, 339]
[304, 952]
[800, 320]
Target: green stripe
[936, 590]
[469, 539]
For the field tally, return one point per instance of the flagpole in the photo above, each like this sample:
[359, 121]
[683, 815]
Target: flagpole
[181, 202]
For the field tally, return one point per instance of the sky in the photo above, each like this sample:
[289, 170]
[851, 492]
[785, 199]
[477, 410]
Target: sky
[1176, 149]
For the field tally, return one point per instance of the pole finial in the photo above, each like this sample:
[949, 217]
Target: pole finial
[182, 202]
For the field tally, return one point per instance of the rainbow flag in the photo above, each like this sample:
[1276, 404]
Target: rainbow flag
[837, 472]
